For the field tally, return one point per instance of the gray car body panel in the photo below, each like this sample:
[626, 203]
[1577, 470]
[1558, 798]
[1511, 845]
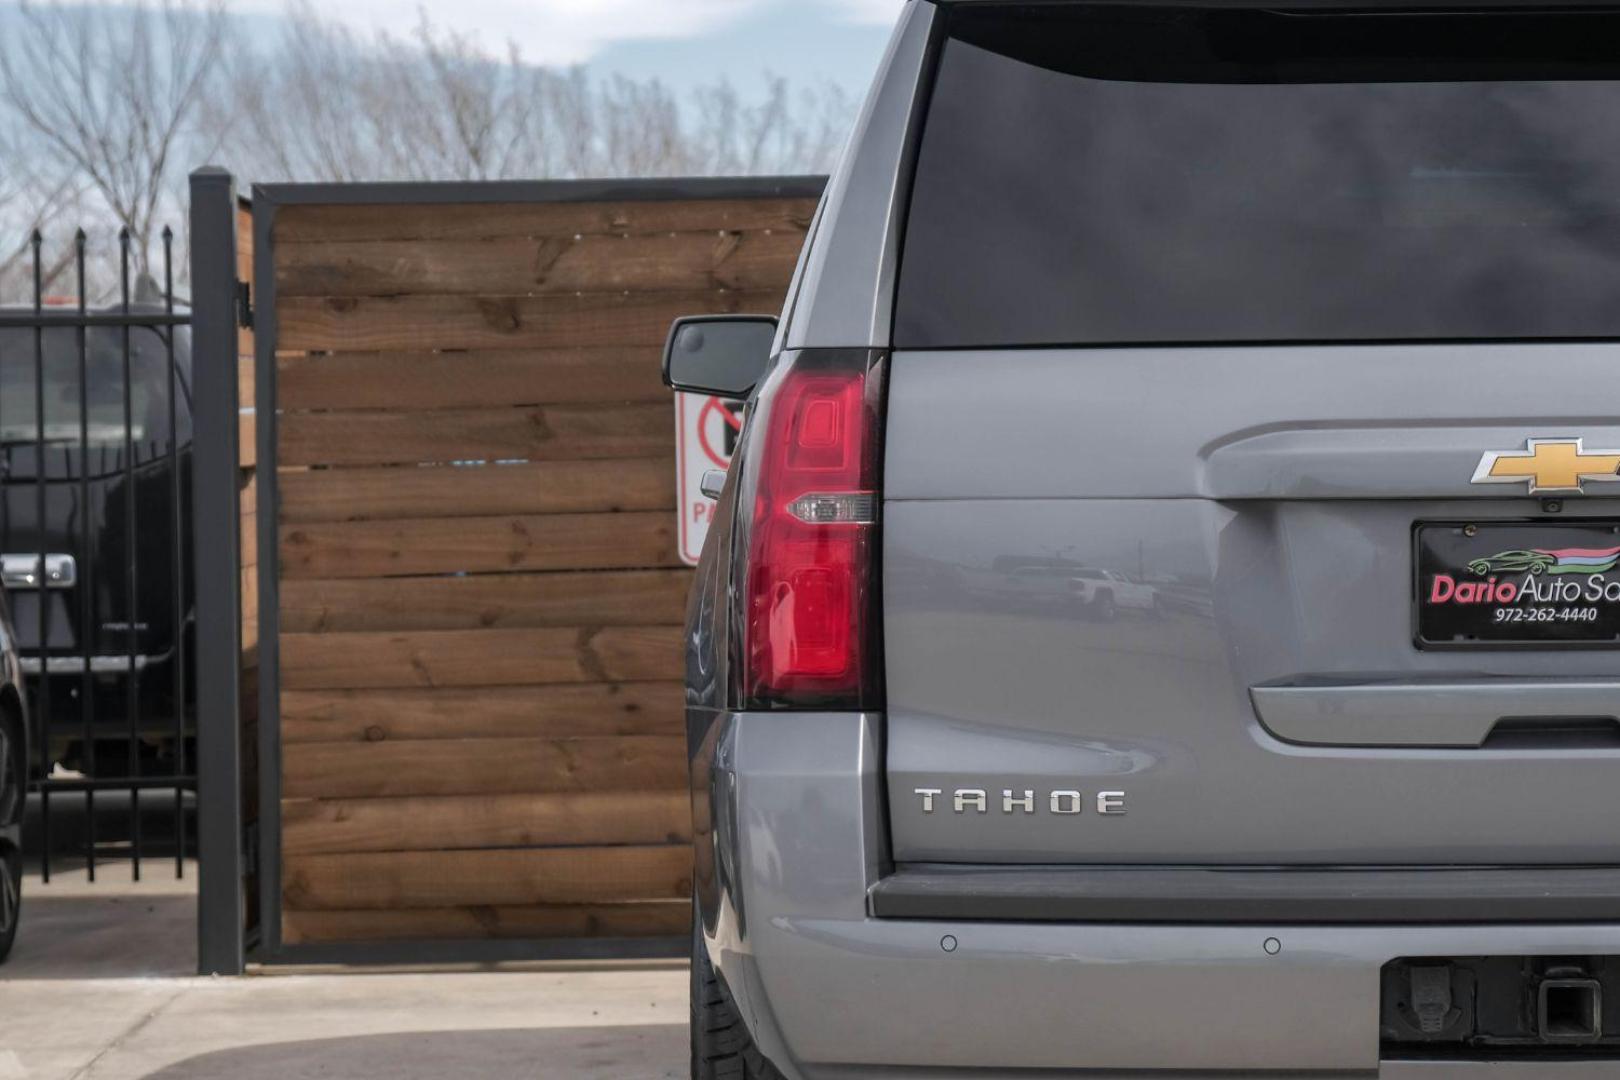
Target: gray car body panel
[847, 295]
[1259, 470]
[1272, 422]
[1255, 480]
[829, 991]
[841, 296]
[1303, 5]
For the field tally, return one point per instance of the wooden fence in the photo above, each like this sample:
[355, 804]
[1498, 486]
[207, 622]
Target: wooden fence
[480, 597]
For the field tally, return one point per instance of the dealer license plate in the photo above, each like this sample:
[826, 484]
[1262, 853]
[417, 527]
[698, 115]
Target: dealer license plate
[1517, 583]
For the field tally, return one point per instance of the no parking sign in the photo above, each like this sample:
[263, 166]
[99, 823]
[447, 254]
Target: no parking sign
[706, 435]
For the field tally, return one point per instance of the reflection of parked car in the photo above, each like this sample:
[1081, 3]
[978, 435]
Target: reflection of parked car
[14, 743]
[1105, 591]
[1037, 586]
[1185, 597]
[107, 490]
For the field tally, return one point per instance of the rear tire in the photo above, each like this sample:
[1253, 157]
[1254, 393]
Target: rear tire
[721, 1046]
[13, 794]
[10, 898]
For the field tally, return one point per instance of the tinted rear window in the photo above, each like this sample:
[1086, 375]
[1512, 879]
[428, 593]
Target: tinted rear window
[1094, 175]
[103, 390]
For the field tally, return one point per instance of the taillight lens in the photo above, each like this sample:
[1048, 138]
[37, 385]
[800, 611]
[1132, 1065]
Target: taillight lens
[809, 608]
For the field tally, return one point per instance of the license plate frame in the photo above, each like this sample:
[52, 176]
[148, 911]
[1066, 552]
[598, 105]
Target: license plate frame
[1533, 587]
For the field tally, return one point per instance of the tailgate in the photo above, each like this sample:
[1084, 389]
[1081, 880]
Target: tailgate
[1181, 586]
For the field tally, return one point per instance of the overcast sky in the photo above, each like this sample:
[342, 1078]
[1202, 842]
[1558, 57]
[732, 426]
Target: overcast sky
[683, 41]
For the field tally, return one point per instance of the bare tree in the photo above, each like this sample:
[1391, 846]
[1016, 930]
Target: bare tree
[103, 110]
[295, 111]
[19, 211]
[470, 117]
[784, 132]
[31, 199]
[325, 103]
[110, 97]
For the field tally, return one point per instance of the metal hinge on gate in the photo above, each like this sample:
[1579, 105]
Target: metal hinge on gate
[244, 305]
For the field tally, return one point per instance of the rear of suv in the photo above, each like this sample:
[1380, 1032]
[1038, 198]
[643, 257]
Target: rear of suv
[1298, 322]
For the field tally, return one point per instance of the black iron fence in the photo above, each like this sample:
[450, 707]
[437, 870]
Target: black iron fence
[95, 525]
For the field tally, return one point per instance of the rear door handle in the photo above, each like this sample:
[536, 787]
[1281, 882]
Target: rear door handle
[1429, 713]
[23, 571]
[713, 483]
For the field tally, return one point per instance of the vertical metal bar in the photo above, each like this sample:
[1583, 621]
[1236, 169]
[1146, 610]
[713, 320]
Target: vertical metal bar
[269, 515]
[177, 568]
[216, 548]
[132, 699]
[87, 634]
[43, 696]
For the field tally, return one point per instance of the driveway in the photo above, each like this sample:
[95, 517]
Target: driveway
[100, 988]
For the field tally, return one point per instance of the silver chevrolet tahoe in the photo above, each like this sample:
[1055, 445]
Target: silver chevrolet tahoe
[1308, 319]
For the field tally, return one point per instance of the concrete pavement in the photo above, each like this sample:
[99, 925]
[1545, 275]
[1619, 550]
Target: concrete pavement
[99, 988]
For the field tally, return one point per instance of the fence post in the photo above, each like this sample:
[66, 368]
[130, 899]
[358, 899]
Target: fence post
[216, 541]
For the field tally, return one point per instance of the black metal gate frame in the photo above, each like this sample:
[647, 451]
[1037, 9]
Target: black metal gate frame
[125, 317]
[216, 540]
[226, 855]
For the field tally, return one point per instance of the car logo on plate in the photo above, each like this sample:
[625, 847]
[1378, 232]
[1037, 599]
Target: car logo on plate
[1549, 465]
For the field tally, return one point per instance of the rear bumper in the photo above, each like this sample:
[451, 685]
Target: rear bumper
[109, 708]
[829, 991]
[119, 664]
[1253, 896]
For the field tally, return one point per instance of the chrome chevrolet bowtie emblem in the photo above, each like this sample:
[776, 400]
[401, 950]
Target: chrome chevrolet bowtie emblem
[1550, 466]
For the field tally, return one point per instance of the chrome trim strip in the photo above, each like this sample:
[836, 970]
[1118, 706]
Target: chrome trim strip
[99, 665]
[21, 571]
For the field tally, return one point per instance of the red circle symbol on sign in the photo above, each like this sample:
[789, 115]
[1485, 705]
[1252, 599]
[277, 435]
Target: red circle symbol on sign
[712, 423]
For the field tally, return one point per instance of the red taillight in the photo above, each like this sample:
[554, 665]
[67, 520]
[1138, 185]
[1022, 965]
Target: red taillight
[808, 624]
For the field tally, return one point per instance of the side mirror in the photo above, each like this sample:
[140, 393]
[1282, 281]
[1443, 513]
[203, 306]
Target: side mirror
[723, 355]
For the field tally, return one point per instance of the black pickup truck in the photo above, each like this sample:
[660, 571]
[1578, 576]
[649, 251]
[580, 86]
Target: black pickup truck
[101, 490]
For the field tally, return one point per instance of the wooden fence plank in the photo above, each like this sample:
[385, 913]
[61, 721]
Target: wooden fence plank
[478, 545]
[244, 272]
[498, 712]
[246, 382]
[349, 770]
[249, 579]
[440, 380]
[532, 433]
[336, 324]
[247, 516]
[419, 879]
[568, 819]
[247, 436]
[552, 487]
[480, 658]
[652, 918]
[662, 262]
[485, 602]
[333, 224]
